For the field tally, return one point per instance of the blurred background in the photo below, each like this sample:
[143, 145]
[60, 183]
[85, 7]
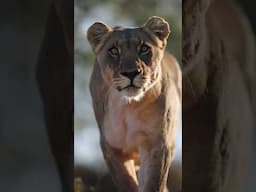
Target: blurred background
[129, 13]
[26, 160]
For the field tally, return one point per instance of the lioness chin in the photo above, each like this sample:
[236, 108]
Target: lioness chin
[135, 88]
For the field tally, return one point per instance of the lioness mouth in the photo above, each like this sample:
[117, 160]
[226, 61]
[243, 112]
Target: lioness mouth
[127, 87]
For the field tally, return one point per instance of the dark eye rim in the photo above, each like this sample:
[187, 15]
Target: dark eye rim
[144, 52]
[114, 54]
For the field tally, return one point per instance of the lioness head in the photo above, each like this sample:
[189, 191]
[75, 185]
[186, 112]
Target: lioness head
[129, 58]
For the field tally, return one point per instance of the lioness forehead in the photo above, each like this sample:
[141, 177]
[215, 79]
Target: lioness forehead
[121, 36]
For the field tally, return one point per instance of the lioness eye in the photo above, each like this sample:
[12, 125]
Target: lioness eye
[144, 49]
[113, 51]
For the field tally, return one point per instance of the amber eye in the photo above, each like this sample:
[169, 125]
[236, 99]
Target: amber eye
[113, 52]
[144, 49]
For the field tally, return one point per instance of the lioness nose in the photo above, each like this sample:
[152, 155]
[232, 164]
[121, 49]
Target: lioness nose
[131, 75]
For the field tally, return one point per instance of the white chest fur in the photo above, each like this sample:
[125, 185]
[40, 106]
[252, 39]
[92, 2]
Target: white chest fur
[123, 127]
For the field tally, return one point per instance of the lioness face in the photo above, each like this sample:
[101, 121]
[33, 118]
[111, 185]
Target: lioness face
[130, 58]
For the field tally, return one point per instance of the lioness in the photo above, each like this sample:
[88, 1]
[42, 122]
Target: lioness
[135, 88]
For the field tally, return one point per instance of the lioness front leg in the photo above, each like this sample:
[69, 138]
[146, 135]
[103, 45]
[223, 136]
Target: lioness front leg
[122, 168]
[155, 164]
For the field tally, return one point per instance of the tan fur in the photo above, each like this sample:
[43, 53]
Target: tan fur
[137, 126]
[218, 95]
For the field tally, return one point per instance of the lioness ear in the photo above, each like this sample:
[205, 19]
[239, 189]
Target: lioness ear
[95, 33]
[158, 26]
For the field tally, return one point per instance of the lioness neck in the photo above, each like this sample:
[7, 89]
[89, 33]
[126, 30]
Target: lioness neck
[127, 124]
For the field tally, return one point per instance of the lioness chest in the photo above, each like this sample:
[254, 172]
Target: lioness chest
[129, 125]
